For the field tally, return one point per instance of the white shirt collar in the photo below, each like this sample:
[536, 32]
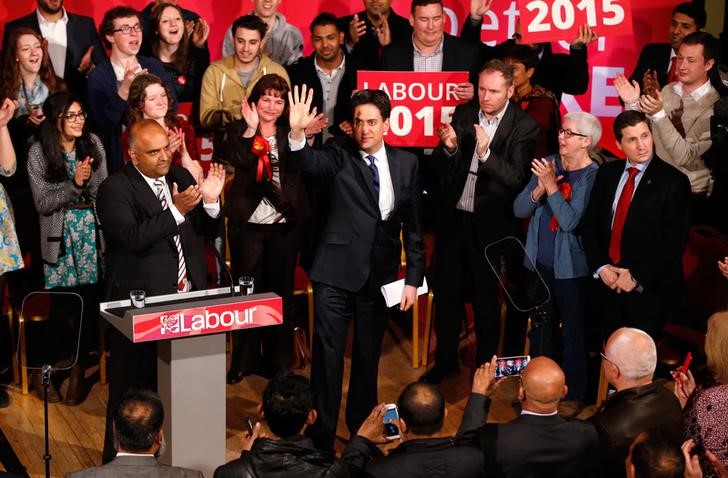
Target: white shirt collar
[380, 154]
[123, 453]
[551, 414]
[498, 117]
[150, 181]
[697, 93]
[437, 50]
[43, 21]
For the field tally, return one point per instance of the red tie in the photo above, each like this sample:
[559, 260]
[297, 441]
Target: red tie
[620, 216]
[672, 74]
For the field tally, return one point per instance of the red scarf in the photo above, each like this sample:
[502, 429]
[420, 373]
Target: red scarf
[565, 190]
[261, 148]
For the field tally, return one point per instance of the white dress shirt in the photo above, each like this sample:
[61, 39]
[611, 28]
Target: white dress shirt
[57, 36]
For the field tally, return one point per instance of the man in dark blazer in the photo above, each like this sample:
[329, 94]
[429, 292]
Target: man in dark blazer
[153, 246]
[687, 17]
[640, 269]
[138, 432]
[540, 443]
[368, 31]
[330, 73]
[483, 168]
[77, 46]
[374, 191]
[425, 450]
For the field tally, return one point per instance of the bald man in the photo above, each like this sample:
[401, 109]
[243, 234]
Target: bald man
[639, 403]
[539, 443]
[154, 217]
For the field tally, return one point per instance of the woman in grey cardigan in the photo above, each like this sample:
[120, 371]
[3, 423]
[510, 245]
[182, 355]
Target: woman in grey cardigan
[65, 167]
[555, 199]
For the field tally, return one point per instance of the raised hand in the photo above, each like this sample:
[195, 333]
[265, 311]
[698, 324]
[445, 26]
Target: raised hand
[722, 265]
[176, 140]
[651, 104]
[373, 427]
[83, 171]
[482, 140]
[384, 34]
[200, 32]
[357, 28]
[131, 71]
[317, 125]
[186, 200]
[86, 62]
[212, 185]
[484, 382]
[448, 137]
[348, 129]
[300, 114]
[465, 91]
[478, 8]
[586, 35]
[545, 171]
[7, 109]
[650, 84]
[628, 92]
[249, 112]
[684, 386]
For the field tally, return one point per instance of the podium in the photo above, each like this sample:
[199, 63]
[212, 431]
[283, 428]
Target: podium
[189, 330]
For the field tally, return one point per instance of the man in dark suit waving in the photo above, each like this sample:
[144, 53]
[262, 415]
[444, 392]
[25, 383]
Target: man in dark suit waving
[154, 217]
[483, 162]
[634, 232]
[374, 191]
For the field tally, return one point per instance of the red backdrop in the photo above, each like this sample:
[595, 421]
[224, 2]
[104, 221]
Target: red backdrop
[607, 56]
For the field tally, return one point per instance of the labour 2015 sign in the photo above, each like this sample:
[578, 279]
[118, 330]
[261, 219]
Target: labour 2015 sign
[553, 20]
[420, 103]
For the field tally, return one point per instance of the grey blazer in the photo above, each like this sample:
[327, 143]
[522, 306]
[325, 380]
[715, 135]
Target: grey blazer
[137, 466]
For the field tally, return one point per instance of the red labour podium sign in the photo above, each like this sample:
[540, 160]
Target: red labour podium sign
[553, 20]
[212, 319]
[420, 103]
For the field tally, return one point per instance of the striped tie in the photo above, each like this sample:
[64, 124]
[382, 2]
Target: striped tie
[182, 268]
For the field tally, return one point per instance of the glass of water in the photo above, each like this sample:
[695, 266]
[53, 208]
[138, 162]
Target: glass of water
[247, 285]
[138, 298]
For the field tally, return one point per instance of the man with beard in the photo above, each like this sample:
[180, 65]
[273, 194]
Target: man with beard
[72, 55]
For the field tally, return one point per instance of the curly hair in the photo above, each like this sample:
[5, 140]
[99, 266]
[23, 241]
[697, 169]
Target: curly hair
[10, 80]
[138, 95]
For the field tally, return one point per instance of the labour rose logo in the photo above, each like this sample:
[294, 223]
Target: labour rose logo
[170, 323]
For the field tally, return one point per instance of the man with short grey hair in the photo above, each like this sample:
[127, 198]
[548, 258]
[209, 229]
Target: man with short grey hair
[639, 403]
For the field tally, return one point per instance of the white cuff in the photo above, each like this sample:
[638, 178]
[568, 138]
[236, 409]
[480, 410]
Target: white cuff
[296, 145]
[213, 209]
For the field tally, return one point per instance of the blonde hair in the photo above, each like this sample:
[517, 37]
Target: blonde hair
[716, 346]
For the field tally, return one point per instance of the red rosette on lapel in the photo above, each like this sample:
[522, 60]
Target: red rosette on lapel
[565, 190]
[261, 148]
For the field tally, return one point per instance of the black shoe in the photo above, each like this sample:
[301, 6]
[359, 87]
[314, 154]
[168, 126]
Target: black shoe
[437, 374]
[4, 398]
[77, 389]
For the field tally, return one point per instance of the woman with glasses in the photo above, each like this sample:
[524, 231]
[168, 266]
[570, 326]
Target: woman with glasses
[555, 200]
[705, 408]
[65, 167]
[149, 98]
[183, 51]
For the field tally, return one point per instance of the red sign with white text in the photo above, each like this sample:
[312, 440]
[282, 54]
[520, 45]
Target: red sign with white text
[553, 20]
[420, 103]
[172, 324]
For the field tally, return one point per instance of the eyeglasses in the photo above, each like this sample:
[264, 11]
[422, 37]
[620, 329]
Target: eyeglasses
[73, 117]
[126, 29]
[608, 359]
[568, 133]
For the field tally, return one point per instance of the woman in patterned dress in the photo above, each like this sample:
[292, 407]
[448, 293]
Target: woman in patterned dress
[65, 167]
[705, 408]
[10, 256]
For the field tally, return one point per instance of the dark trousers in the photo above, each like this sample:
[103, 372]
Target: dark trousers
[130, 366]
[568, 306]
[268, 253]
[461, 266]
[335, 308]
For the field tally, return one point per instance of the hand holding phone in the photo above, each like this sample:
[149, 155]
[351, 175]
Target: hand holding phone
[391, 416]
[510, 366]
[686, 364]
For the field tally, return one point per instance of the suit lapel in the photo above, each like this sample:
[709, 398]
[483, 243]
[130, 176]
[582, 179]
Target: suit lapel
[364, 174]
[395, 172]
[504, 126]
[146, 196]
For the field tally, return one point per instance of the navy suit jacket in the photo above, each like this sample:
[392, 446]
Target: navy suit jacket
[140, 252]
[81, 34]
[356, 243]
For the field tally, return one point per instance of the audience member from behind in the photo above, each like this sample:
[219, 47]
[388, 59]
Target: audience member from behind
[426, 450]
[639, 404]
[287, 407]
[139, 441]
[654, 454]
[705, 409]
[539, 443]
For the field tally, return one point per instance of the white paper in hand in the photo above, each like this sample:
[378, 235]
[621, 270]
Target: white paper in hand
[392, 292]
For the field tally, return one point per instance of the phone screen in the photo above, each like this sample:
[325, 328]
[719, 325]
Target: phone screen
[390, 429]
[509, 366]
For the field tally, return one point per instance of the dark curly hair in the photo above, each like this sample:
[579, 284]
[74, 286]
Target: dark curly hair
[138, 94]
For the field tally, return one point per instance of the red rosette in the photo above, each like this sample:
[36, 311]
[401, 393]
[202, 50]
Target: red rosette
[565, 190]
[181, 80]
[261, 148]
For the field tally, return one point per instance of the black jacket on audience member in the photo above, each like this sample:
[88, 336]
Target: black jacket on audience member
[367, 52]
[450, 457]
[295, 457]
[303, 72]
[628, 413]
